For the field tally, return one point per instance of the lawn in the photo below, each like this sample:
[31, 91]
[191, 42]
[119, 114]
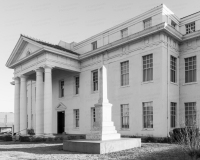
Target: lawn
[28, 150]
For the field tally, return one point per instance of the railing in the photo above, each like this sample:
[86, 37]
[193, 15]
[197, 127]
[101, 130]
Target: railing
[15, 133]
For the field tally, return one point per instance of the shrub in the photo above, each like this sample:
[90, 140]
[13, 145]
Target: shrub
[188, 138]
[30, 131]
[7, 138]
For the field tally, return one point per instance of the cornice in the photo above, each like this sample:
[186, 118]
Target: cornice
[191, 35]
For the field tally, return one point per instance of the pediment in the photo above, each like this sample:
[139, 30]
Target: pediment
[61, 106]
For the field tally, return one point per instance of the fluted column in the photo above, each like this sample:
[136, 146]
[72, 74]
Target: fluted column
[17, 105]
[39, 128]
[48, 101]
[23, 107]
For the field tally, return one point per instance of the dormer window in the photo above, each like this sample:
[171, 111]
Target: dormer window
[190, 27]
[147, 23]
[124, 32]
[173, 24]
[94, 45]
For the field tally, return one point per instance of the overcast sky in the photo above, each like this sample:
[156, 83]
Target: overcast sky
[67, 20]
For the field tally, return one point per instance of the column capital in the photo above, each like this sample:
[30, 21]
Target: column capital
[48, 66]
[16, 78]
[39, 69]
[23, 76]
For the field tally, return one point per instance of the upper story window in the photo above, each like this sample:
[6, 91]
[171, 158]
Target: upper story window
[173, 24]
[190, 69]
[95, 80]
[190, 27]
[147, 23]
[148, 68]
[94, 45]
[61, 88]
[77, 85]
[124, 32]
[173, 69]
[125, 73]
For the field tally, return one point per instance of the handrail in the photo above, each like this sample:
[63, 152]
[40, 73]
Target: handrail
[19, 131]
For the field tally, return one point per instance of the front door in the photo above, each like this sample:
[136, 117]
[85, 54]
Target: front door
[61, 122]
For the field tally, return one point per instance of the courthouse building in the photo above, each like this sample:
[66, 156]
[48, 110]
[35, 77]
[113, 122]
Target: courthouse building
[153, 77]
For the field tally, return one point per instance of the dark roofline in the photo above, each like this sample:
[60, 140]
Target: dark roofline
[190, 15]
[50, 45]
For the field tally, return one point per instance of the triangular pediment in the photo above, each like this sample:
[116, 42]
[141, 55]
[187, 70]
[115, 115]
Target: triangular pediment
[61, 106]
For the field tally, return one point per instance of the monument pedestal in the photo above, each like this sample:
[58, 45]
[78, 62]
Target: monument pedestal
[101, 147]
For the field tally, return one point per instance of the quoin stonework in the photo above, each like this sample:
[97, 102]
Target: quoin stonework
[152, 78]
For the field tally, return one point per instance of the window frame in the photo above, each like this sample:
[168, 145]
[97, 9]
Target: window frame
[97, 81]
[194, 112]
[150, 69]
[193, 71]
[173, 69]
[173, 114]
[94, 45]
[189, 29]
[173, 24]
[124, 33]
[123, 81]
[93, 117]
[126, 118]
[76, 118]
[61, 90]
[145, 120]
[148, 21]
[76, 86]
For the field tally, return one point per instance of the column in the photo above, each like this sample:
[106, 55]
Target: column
[48, 122]
[39, 105]
[17, 105]
[23, 107]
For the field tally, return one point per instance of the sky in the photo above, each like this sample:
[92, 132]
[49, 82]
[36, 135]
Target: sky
[67, 20]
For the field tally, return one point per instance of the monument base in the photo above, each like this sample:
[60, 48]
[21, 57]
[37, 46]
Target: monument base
[101, 147]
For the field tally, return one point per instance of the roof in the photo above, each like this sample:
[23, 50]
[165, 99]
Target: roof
[50, 45]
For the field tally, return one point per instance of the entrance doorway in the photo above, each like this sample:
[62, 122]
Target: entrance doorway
[61, 122]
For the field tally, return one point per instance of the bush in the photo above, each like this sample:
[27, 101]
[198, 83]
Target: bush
[7, 138]
[25, 138]
[30, 131]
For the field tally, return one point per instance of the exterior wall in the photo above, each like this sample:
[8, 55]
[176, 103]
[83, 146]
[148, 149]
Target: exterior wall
[6, 120]
[189, 92]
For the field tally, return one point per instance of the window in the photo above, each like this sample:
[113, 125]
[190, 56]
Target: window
[173, 69]
[94, 45]
[76, 85]
[173, 24]
[95, 80]
[61, 88]
[124, 116]
[124, 73]
[93, 117]
[173, 114]
[124, 32]
[148, 68]
[147, 23]
[190, 27]
[190, 69]
[190, 113]
[76, 117]
[148, 114]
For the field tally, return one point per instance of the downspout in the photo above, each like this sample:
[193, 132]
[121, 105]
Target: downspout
[31, 106]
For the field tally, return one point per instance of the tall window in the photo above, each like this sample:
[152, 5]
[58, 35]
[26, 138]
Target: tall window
[173, 114]
[124, 32]
[95, 80]
[173, 69]
[94, 45]
[61, 88]
[190, 69]
[148, 114]
[93, 117]
[147, 23]
[190, 27]
[124, 73]
[148, 67]
[190, 113]
[124, 116]
[76, 117]
[76, 85]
